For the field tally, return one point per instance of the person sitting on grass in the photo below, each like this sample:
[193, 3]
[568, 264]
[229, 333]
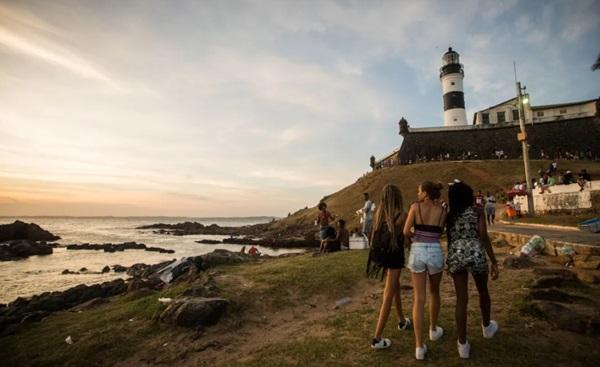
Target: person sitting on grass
[582, 178]
[468, 243]
[330, 243]
[253, 251]
[343, 236]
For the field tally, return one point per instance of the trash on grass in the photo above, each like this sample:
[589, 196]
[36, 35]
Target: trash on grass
[342, 301]
[566, 250]
[165, 300]
[68, 340]
[534, 246]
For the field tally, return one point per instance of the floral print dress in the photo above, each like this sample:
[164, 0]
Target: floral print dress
[465, 252]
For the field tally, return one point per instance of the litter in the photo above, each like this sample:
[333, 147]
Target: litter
[566, 250]
[132, 319]
[342, 301]
[68, 340]
[534, 246]
[590, 225]
[164, 300]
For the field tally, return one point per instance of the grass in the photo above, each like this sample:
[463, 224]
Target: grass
[272, 322]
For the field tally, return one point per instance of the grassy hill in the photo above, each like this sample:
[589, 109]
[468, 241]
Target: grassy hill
[494, 176]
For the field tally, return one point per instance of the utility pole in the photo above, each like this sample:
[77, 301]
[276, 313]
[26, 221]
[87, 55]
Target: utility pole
[522, 137]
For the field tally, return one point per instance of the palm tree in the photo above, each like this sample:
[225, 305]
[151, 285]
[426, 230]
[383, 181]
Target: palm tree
[596, 65]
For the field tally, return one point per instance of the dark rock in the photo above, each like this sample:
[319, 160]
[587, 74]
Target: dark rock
[21, 249]
[106, 269]
[110, 247]
[553, 271]
[84, 269]
[25, 231]
[547, 281]
[195, 312]
[147, 283]
[224, 257]
[40, 305]
[517, 262]
[576, 318]
[551, 295]
[67, 271]
[119, 268]
[209, 242]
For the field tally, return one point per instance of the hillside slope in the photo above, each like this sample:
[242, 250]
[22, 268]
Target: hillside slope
[494, 176]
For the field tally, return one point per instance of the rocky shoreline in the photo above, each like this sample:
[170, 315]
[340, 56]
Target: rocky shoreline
[198, 306]
[109, 247]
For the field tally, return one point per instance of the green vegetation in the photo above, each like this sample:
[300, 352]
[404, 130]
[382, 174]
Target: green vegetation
[282, 314]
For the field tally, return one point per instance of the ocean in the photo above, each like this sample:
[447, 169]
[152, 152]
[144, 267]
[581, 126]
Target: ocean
[38, 274]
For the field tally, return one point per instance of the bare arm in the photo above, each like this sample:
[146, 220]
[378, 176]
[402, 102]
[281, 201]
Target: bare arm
[408, 224]
[487, 245]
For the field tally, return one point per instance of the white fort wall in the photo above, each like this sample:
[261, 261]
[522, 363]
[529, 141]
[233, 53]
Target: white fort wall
[562, 198]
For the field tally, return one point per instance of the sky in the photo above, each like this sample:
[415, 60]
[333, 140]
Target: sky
[241, 108]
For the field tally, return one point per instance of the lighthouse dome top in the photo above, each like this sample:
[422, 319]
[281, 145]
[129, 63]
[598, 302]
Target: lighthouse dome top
[450, 57]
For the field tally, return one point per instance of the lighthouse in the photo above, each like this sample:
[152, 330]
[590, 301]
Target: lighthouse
[451, 75]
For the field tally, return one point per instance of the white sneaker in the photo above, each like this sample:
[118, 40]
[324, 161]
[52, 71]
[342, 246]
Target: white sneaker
[490, 330]
[420, 352]
[464, 350]
[405, 325]
[382, 343]
[436, 334]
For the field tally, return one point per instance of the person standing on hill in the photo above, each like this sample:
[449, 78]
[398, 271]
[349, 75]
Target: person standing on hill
[468, 243]
[490, 208]
[426, 261]
[323, 219]
[386, 254]
[367, 215]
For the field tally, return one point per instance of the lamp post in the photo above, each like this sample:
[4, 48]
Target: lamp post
[522, 137]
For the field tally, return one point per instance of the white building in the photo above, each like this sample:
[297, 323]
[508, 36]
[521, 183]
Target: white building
[507, 112]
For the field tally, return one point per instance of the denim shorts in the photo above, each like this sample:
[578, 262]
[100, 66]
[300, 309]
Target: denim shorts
[426, 257]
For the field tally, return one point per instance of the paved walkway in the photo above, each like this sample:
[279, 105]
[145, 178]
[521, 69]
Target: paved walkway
[563, 235]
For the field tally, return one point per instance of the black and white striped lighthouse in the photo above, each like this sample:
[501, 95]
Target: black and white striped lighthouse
[452, 74]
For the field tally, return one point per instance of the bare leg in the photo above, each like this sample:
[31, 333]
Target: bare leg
[419, 281]
[485, 302]
[398, 301]
[434, 299]
[389, 292]
[461, 286]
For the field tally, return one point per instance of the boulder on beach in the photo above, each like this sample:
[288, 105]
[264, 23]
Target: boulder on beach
[21, 249]
[25, 231]
[195, 312]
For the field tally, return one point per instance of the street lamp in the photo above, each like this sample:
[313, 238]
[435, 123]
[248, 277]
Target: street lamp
[523, 99]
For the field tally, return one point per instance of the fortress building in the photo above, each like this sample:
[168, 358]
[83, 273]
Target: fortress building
[558, 130]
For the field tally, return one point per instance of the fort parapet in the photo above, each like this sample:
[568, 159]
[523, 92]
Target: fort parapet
[579, 136]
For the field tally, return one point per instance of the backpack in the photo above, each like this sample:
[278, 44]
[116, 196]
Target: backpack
[380, 247]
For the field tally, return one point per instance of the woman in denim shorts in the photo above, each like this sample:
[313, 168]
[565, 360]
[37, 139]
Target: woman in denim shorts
[428, 217]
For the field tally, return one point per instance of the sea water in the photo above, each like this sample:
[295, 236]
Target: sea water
[38, 274]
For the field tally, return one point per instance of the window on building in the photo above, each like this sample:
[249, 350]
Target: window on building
[515, 115]
[540, 114]
[563, 110]
[501, 117]
[485, 118]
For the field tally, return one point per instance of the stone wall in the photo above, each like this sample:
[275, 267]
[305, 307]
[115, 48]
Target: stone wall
[575, 135]
[565, 199]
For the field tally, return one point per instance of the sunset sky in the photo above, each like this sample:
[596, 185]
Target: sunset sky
[237, 108]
